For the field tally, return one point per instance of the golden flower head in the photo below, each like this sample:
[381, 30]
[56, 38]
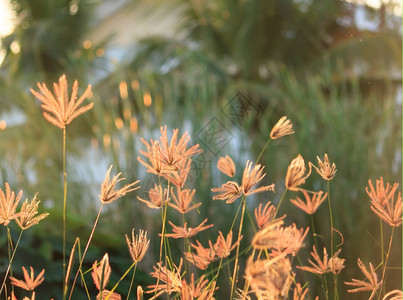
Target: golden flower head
[324, 168]
[59, 111]
[223, 247]
[187, 232]
[282, 128]
[183, 201]
[166, 156]
[157, 196]
[265, 216]
[361, 285]
[138, 245]
[252, 177]
[8, 205]
[30, 282]
[311, 204]
[29, 215]
[171, 278]
[296, 174]
[269, 278]
[203, 256]
[230, 191]
[101, 272]
[384, 204]
[226, 165]
[334, 264]
[109, 193]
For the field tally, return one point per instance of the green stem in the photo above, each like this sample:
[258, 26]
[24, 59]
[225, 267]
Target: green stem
[314, 232]
[336, 295]
[233, 285]
[386, 263]
[134, 264]
[85, 250]
[131, 283]
[263, 149]
[64, 209]
[279, 204]
[10, 261]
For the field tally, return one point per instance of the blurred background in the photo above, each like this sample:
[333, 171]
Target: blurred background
[225, 71]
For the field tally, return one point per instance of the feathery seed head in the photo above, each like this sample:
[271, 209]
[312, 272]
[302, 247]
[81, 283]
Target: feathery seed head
[324, 168]
[296, 174]
[282, 128]
[58, 109]
[138, 245]
[29, 215]
[226, 165]
[109, 193]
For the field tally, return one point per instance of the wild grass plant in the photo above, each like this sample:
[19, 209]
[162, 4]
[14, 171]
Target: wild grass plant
[275, 266]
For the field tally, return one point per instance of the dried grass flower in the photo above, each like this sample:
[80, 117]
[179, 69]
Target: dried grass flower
[109, 193]
[59, 110]
[393, 295]
[183, 201]
[267, 237]
[269, 278]
[30, 282]
[171, 278]
[226, 165]
[8, 205]
[361, 286]
[101, 272]
[199, 289]
[334, 264]
[105, 295]
[29, 216]
[286, 240]
[185, 232]
[170, 153]
[383, 202]
[230, 191]
[252, 177]
[154, 165]
[265, 216]
[282, 128]
[224, 246]
[311, 204]
[178, 177]
[324, 168]
[138, 245]
[158, 197]
[203, 256]
[300, 292]
[296, 174]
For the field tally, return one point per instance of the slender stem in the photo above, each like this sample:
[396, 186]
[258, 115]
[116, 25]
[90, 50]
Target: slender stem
[134, 264]
[164, 217]
[233, 286]
[263, 149]
[386, 261]
[336, 295]
[279, 204]
[9, 249]
[326, 288]
[246, 285]
[64, 209]
[314, 232]
[85, 250]
[131, 284]
[10, 262]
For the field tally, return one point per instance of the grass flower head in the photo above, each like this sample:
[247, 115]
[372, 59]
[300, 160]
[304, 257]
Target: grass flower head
[109, 193]
[59, 110]
[282, 128]
[30, 282]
